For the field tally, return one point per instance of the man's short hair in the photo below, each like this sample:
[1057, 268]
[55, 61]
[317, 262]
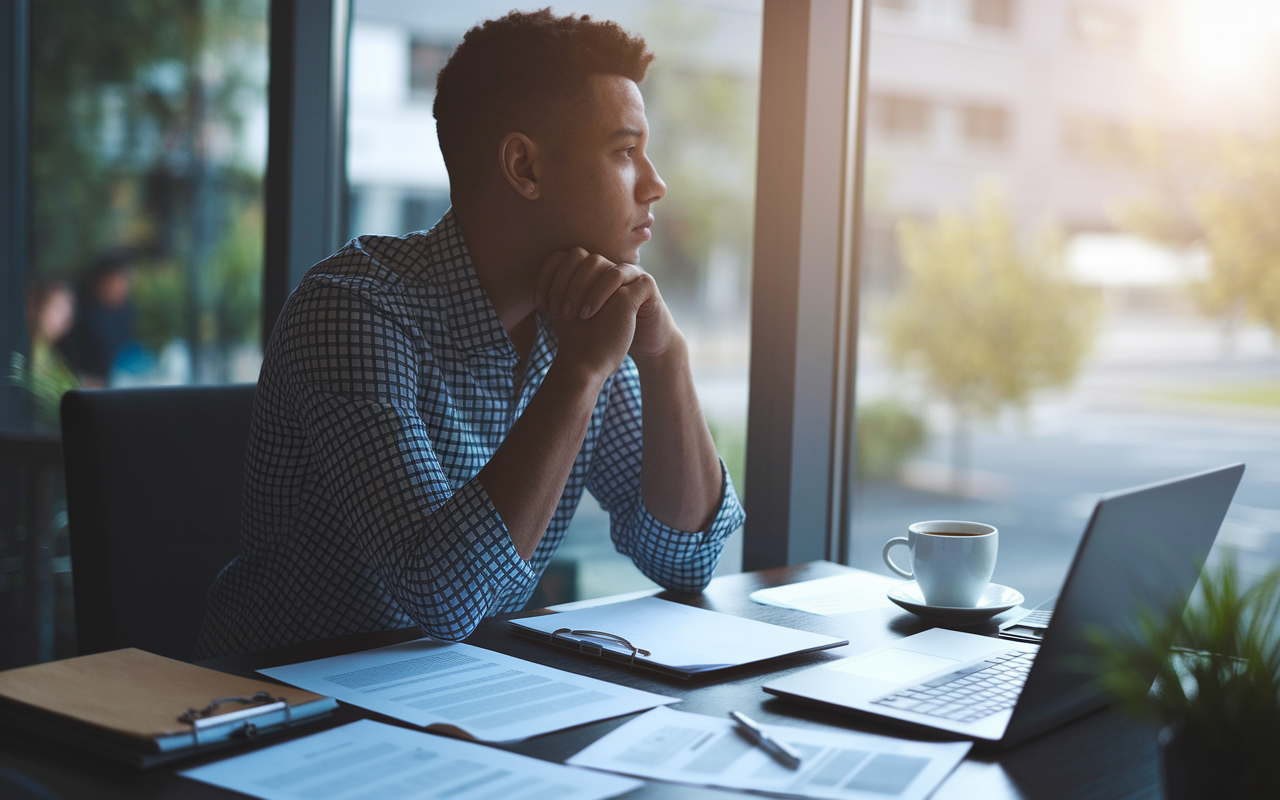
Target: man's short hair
[520, 73]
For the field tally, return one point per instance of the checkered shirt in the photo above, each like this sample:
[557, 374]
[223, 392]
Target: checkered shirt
[388, 383]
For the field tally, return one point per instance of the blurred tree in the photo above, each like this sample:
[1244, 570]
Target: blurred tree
[986, 323]
[703, 124]
[1225, 195]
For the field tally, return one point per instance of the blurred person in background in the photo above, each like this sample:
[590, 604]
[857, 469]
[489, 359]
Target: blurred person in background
[50, 316]
[106, 320]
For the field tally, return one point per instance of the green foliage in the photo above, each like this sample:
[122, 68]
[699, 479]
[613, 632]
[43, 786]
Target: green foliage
[1221, 681]
[235, 278]
[47, 377]
[888, 434]
[1224, 194]
[731, 443]
[160, 295]
[119, 95]
[986, 323]
[703, 143]
[1241, 229]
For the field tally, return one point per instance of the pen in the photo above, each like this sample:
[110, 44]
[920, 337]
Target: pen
[782, 752]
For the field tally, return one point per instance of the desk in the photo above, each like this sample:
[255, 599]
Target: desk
[1102, 755]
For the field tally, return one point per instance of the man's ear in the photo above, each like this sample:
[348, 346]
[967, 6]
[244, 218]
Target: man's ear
[519, 160]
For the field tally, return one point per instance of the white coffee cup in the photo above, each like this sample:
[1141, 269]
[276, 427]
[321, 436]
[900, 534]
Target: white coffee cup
[951, 561]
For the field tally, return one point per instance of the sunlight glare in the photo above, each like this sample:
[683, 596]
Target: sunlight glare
[1227, 39]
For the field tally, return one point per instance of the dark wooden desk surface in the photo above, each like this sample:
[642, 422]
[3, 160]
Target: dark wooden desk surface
[1102, 755]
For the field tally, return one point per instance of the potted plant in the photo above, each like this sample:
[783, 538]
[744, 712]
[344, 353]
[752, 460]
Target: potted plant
[1217, 688]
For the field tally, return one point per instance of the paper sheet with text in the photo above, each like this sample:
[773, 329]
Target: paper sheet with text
[369, 760]
[674, 746]
[460, 688]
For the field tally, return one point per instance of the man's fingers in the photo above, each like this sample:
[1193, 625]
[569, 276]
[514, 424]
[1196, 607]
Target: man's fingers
[606, 283]
[555, 297]
[546, 276]
[593, 268]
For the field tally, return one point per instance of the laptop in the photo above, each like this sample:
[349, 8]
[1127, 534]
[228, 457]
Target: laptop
[1142, 549]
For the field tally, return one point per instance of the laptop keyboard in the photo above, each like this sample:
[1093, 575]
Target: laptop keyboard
[969, 693]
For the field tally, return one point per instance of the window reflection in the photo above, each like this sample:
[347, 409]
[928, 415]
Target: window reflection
[147, 147]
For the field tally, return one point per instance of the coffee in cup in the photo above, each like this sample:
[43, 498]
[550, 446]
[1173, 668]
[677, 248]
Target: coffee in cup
[951, 560]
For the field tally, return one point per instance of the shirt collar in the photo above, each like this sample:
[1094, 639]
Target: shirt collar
[472, 318]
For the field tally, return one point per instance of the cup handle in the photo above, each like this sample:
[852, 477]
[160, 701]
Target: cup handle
[889, 561]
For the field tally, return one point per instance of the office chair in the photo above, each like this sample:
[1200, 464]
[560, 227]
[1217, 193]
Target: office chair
[154, 478]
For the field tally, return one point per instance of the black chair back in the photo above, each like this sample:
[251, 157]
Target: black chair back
[154, 483]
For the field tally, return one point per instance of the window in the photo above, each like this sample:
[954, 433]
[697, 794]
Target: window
[985, 127]
[999, 14]
[422, 212]
[1098, 141]
[900, 6]
[1102, 29]
[701, 101]
[147, 143]
[1150, 351]
[425, 61]
[900, 117]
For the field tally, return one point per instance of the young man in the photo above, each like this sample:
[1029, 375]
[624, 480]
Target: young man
[432, 406]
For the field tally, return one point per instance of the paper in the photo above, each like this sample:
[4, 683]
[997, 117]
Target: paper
[369, 760]
[674, 746]
[840, 594]
[684, 638]
[485, 695]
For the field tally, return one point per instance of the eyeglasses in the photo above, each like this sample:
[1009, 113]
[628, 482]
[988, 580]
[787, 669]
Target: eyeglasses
[598, 649]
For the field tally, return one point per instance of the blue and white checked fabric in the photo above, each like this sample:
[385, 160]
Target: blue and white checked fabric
[388, 383]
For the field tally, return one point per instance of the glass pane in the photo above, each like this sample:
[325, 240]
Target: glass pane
[1069, 269]
[701, 99]
[148, 140]
[147, 145]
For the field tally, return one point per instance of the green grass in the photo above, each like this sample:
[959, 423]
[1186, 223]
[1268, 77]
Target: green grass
[1265, 394]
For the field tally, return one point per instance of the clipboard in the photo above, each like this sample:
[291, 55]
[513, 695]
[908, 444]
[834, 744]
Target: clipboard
[146, 709]
[671, 638]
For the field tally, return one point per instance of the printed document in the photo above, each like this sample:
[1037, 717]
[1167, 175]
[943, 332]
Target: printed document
[369, 760]
[460, 689]
[678, 747]
[840, 594]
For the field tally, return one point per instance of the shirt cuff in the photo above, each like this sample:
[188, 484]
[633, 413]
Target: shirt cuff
[485, 535]
[729, 516]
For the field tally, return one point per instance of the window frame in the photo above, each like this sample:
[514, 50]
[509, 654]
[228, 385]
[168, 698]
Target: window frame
[306, 170]
[15, 212]
[804, 303]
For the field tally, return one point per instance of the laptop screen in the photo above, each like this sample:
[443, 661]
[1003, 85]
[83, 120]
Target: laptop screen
[1142, 550]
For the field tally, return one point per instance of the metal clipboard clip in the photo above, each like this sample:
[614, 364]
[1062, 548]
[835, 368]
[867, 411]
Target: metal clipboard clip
[204, 719]
[588, 647]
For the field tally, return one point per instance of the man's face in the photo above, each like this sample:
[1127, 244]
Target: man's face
[599, 184]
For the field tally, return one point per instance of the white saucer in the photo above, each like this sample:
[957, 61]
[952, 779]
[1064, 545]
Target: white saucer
[995, 599]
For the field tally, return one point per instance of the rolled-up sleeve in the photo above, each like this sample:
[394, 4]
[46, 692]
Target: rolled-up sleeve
[444, 555]
[680, 561]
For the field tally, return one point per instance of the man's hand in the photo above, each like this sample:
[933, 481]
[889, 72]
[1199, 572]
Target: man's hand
[602, 310]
